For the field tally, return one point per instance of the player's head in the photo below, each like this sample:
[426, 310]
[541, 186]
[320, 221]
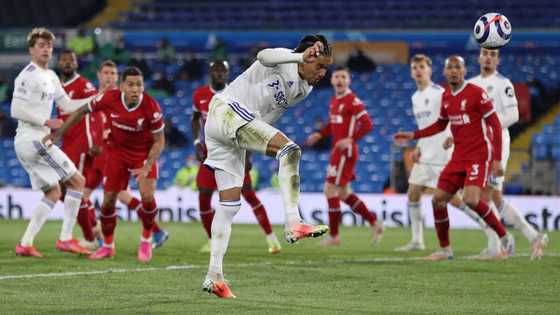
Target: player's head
[132, 84]
[107, 75]
[315, 71]
[455, 70]
[489, 59]
[40, 42]
[219, 74]
[67, 62]
[341, 79]
[421, 68]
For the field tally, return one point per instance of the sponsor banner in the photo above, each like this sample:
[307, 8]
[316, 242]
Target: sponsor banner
[181, 205]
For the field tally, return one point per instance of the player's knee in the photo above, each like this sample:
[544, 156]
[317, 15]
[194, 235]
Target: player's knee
[109, 200]
[289, 154]
[54, 194]
[77, 182]
[471, 200]
[413, 193]
[438, 201]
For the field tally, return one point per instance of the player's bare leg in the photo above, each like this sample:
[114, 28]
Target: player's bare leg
[513, 216]
[441, 221]
[259, 211]
[206, 215]
[416, 215]
[108, 217]
[254, 137]
[359, 207]
[472, 198]
[72, 200]
[147, 214]
[38, 219]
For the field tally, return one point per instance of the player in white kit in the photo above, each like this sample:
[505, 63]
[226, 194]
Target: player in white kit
[35, 89]
[239, 119]
[429, 156]
[501, 92]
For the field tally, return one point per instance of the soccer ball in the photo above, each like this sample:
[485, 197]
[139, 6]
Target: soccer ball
[492, 30]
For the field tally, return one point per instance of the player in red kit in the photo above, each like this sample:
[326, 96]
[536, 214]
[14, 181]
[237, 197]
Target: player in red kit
[477, 136]
[107, 76]
[206, 183]
[135, 143]
[79, 142]
[348, 123]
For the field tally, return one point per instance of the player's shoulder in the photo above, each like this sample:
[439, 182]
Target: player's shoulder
[354, 99]
[473, 88]
[502, 79]
[28, 72]
[150, 102]
[201, 90]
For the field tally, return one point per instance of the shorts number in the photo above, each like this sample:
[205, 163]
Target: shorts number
[474, 170]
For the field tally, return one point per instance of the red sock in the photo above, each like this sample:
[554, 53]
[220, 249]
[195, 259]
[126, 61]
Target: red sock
[441, 221]
[206, 212]
[358, 206]
[147, 215]
[91, 214]
[334, 215]
[108, 223]
[490, 218]
[258, 210]
[135, 205]
[83, 221]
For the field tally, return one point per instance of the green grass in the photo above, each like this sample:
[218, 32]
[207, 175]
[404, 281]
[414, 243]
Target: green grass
[354, 278]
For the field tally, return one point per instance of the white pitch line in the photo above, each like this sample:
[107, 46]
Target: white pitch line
[241, 265]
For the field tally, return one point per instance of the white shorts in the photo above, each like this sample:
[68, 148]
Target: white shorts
[497, 183]
[226, 147]
[45, 166]
[426, 175]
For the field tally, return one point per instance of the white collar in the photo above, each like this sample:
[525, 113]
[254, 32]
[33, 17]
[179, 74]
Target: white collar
[459, 90]
[74, 78]
[123, 102]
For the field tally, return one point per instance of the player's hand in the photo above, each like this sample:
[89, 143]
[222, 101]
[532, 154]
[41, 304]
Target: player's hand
[54, 123]
[201, 152]
[312, 139]
[141, 173]
[416, 154]
[497, 168]
[312, 53]
[344, 144]
[448, 143]
[49, 139]
[95, 150]
[403, 137]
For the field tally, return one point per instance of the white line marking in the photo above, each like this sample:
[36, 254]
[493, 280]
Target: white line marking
[241, 265]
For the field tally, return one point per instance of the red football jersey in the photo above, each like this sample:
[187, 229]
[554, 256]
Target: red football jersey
[201, 99]
[466, 110]
[132, 129]
[345, 115]
[81, 136]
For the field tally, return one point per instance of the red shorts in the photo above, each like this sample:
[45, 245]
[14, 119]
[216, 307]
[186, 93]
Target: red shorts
[94, 176]
[342, 167]
[205, 178]
[118, 169]
[458, 174]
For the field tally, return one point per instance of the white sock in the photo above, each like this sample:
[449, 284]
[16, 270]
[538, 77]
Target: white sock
[71, 206]
[491, 236]
[288, 177]
[37, 221]
[221, 231]
[416, 221]
[271, 237]
[514, 217]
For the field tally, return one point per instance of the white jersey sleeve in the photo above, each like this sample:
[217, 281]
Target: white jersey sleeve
[426, 108]
[22, 108]
[508, 113]
[62, 99]
[269, 86]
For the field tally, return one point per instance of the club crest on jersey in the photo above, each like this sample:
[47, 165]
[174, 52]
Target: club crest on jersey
[463, 105]
[139, 123]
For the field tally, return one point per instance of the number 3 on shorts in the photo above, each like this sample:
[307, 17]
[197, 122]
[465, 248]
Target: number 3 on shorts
[474, 170]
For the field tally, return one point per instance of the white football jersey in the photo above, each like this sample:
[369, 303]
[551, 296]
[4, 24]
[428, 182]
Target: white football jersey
[501, 92]
[38, 89]
[426, 108]
[267, 91]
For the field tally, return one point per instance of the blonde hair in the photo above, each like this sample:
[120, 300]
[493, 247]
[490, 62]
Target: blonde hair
[421, 57]
[39, 32]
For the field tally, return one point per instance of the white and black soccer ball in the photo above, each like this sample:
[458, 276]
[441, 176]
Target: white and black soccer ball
[492, 30]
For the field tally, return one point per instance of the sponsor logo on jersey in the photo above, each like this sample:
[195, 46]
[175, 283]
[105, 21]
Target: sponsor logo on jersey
[509, 91]
[463, 119]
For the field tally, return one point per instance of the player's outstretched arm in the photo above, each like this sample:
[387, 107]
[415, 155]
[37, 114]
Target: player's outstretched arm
[73, 119]
[271, 57]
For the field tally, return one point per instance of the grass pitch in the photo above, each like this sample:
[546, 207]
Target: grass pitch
[305, 278]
